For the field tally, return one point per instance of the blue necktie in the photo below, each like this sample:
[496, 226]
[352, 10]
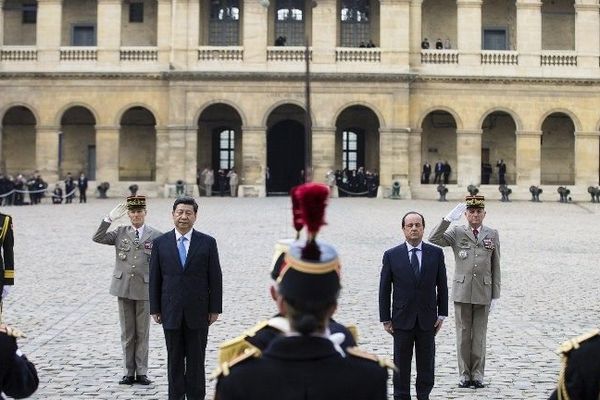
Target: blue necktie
[414, 262]
[181, 248]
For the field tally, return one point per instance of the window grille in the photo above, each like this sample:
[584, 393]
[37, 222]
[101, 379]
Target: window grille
[224, 23]
[289, 22]
[355, 27]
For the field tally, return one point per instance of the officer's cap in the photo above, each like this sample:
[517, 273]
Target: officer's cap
[475, 201]
[136, 202]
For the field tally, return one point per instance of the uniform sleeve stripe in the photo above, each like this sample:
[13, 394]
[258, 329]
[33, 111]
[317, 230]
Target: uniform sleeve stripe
[9, 274]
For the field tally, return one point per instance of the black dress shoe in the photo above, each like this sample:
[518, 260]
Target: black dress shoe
[143, 380]
[127, 380]
[464, 384]
[478, 384]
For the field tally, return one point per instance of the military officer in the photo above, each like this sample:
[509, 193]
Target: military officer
[261, 335]
[476, 283]
[579, 377]
[18, 377]
[306, 362]
[133, 246]
[7, 259]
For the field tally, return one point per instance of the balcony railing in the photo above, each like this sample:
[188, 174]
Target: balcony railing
[220, 53]
[78, 53]
[558, 58]
[18, 53]
[357, 54]
[139, 54]
[434, 56]
[499, 57]
[287, 53]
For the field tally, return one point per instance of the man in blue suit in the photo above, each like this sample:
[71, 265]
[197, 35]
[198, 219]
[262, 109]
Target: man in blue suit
[414, 277]
[185, 297]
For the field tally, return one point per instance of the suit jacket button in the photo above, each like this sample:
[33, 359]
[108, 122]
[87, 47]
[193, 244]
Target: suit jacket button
[474, 274]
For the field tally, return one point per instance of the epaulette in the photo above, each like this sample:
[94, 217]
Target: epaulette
[14, 332]
[232, 348]
[382, 361]
[353, 331]
[574, 344]
[280, 323]
[223, 369]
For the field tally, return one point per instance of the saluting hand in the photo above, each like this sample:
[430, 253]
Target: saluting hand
[456, 212]
[117, 212]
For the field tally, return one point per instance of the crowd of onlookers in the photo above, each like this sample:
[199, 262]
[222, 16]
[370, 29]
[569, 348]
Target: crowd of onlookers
[30, 189]
[354, 182]
[224, 182]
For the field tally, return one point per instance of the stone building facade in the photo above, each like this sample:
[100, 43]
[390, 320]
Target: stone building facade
[153, 91]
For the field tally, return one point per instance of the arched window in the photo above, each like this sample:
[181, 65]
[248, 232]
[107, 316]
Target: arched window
[355, 23]
[224, 23]
[226, 149]
[349, 150]
[289, 23]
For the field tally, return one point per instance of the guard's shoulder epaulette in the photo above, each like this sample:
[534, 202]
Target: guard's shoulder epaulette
[223, 369]
[14, 332]
[574, 343]
[232, 348]
[382, 361]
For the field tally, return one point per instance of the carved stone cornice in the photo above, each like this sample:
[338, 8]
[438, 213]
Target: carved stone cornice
[584, 134]
[586, 7]
[468, 132]
[529, 134]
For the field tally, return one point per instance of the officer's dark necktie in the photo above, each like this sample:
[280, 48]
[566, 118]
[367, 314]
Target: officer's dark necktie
[181, 249]
[414, 262]
[475, 233]
[137, 237]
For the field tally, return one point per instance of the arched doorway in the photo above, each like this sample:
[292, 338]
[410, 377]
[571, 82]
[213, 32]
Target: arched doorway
[219, 143]
[498, 149]
[558, 150]
[438, 145]
[77, 143]
[137, 145]
[285, 149]
[18, 141]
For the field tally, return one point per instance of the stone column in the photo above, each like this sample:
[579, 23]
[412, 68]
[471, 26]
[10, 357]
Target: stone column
[193, 33]
[323, 152]
[164, 32]
[468, 14]
[179, 32]
[49, 24]
[46, 152]
[394, 157]
[529, 32]
[109, 31]
[255, 33]
[177, 153]
[254, 161]
[395, 28]
[415, 161]
[416, 14]
[468, 156]
[587, 33]
[529, 158]
[587, 154]
[191, 154]
[1, 23]
[107, 151]
[324, 32]
[162, 155]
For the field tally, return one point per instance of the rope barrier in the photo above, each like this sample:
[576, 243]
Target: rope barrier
[13, 191]
[354, 193]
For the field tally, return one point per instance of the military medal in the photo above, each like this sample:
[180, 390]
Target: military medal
[122, 255]
[462, 254]
[488, 244]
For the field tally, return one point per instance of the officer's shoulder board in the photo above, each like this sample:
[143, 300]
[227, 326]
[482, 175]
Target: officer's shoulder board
[231, 349]
[223, 369]
[574, 343]
[5, 224]
[382, 361]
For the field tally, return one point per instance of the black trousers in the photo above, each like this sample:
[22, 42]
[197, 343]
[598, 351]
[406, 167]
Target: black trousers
[424, 344]
[186, 350]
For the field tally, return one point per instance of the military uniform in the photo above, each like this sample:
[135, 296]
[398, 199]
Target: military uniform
[7, 259]
[580, 373]
[18, 377]
[129, 283]
[476, 282]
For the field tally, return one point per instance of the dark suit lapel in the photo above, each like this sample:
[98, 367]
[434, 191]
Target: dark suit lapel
[403, 261]
[194, 245]
[172, 247]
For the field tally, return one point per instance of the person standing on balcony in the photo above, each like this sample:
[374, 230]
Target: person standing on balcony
[425, 44]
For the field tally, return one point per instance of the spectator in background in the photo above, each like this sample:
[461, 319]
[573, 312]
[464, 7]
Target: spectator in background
[438, 44]
[425, 44]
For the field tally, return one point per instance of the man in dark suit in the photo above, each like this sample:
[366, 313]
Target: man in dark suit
[426, 172]
[82, 185]
[439, 170]
[185, 297]
[414, 275]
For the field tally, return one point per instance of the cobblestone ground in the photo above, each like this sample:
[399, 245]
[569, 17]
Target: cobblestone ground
[550, 278]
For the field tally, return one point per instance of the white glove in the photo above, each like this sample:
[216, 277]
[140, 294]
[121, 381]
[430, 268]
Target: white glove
[5, 291]
[117, 212]
[493, 305]
[456, 212]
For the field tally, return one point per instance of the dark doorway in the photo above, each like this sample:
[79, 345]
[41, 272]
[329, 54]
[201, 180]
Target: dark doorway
[285, 156]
